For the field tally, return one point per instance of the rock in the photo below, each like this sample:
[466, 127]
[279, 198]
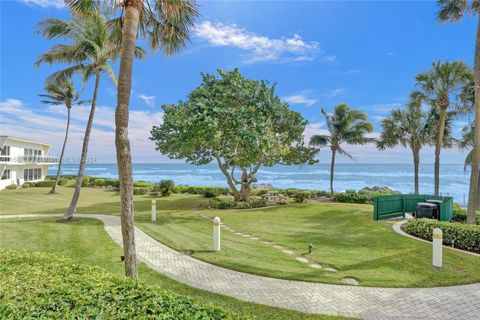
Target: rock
[350, 281]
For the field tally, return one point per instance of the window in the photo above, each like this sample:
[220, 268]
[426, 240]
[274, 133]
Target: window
[32, 174]
[37, 174]
[6, 175]
[5, 152]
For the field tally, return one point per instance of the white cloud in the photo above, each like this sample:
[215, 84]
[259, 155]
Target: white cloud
[48, 124]
[333, 93]
[258, 48]
[149, 100]
[300, 99]
[59, 4]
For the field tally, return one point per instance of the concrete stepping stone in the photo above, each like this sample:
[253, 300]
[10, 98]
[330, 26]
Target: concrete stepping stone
[288, 251]
[266, 242]
[254, 238]
[301, 259]
[329, 269]
[315, 266]
[276, 246]
[246, 235]
[350, 281]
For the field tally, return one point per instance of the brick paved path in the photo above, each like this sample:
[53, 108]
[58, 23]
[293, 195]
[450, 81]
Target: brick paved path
[458, 302]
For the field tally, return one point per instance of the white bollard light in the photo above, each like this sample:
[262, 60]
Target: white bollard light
[154, 210]
[216, 234]
[437, 247]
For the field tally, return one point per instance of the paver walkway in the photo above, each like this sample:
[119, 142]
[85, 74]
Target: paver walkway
[458, 302]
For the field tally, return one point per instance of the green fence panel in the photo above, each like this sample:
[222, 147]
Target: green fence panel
[391, 206]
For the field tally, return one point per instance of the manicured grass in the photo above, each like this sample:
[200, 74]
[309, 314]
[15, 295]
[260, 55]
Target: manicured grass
[85, 241]
[344, 237]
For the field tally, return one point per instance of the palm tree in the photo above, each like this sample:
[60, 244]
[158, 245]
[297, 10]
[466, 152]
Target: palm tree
[454, 10]
[166, 25]
[439, 86]
[61, 91]
[90, 53]
[412, 128]
[467, 142]
[344, 125]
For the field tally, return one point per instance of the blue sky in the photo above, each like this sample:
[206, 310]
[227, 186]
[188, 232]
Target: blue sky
[319, 53]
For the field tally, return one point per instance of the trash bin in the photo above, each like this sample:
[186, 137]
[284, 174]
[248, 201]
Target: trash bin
[436, 213]
[425, 210]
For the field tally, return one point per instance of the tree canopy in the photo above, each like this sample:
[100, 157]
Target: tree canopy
[237, 122]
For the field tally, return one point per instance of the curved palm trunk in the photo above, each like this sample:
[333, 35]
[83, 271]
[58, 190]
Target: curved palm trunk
[416, 163]
[63, 151]
[124, 158]
[474, 178]
[83, 159]
[332, 171]
[438, 148]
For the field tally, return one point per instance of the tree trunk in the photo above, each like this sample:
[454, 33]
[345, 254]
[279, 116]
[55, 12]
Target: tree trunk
[124, 157]
[478, 193]
[438, 147]
[83, 159]
[230, 182]
[474, 178]
[416, 162]
[245, 189]
[332, 170]
[63, 151]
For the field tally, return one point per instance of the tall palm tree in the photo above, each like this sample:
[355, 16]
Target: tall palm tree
[61, 91]
[412, 128]
[165, 24]
[454, 10]
[442, 87]
[467, 142]
[90, 52]
[344, 125]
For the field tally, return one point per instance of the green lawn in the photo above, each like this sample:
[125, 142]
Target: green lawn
[344, 237]
[86, 241]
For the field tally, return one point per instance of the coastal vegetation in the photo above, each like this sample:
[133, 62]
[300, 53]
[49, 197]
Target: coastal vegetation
[345, 125]
[240, 124]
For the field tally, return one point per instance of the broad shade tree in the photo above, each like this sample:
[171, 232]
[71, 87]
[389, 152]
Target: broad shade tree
[236, 122]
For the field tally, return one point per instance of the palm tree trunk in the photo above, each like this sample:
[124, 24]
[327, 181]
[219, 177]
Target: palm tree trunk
[124, 158]
[332, 171]
[416, 162]
[83, 159]
[63, 151]
[472, 196]
[438, 148]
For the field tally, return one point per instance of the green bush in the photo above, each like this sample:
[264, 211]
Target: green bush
[300, 196]
[211, 192]
[46, 183]
[63, 181]
[165, 187]
[26, 185]
[36, 285]
[220, 203]
[85, 181]
[203, 190]
[460, 214]
[99, 182]
[362, 196]
[260, 192]
[112, 183]
[11, 187]
[142, 184]
[140, 191]
[463, 236]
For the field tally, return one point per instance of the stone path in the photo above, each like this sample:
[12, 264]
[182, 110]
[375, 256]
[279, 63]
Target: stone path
[455, 303]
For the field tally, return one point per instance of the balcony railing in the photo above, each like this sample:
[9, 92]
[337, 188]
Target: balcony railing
[28, 159]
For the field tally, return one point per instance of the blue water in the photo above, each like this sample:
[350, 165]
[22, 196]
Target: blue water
[453, 180]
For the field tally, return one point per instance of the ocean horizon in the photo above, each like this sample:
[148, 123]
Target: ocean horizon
[454, 181]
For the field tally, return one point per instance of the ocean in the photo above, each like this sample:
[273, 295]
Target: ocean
[453, 180]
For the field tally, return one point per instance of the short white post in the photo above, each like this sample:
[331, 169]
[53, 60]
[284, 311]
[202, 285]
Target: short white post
[154, 210]
[216, 234]
[437, 247]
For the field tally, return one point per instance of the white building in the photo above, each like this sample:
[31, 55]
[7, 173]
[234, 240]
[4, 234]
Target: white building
[23, 160]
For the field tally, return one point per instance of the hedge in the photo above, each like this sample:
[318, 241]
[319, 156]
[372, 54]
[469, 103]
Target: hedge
[362, 196]
[463, 236]
[460, 214]
[46, 183]
[36, 285]
[203, 190]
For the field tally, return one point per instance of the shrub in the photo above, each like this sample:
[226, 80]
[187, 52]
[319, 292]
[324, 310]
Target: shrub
[112, 183]
[46, 183]
[37, 285]
[460, 214]
[99, 182]
[260, 192]
[140, 191]
[165, 187]
[363, 196]
[63, 181]
[142, 184]
[85, 181]
[221, 204]
[300, 196]
[463, 236]
[11, 187]
[320, 193]
[26, 185]
[211, 192]
[257, 203]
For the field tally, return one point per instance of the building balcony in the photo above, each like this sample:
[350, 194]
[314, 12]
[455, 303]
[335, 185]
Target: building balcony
[28, 160]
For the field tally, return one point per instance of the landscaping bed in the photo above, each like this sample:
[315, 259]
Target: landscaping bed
[39, 285]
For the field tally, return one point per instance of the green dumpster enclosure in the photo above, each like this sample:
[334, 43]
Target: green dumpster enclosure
[396, 205]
